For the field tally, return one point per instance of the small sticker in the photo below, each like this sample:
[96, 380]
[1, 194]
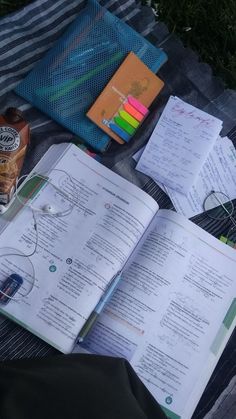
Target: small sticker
[106, 122]
[4, 198]
[168, 400]
[9, 139]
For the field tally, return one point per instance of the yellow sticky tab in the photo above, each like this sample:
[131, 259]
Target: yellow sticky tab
[128, 118]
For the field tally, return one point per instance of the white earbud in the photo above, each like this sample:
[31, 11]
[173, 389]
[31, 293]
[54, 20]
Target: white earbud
[48, 209]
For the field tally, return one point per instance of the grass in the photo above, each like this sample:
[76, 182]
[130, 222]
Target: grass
[8, 6]
[206, 26]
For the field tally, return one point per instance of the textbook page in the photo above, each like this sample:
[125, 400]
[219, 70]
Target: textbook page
[78, 253]
[179, 145]
[173, 311]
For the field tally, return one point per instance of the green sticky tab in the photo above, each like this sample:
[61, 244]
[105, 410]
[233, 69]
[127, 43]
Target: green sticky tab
[128, 118]
[27, 192]
[124, 125]
[228, 242]
[170, 414]
[32, 187]
[223, 239]
[231, 314]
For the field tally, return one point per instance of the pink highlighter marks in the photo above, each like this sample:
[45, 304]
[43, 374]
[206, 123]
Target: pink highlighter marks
[137, 105]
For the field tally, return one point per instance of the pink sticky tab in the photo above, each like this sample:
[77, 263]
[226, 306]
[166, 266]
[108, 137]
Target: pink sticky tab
[133, 112]
[137, 105]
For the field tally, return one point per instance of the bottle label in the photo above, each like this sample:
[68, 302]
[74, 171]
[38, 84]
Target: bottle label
[4, 198]
[9, 139]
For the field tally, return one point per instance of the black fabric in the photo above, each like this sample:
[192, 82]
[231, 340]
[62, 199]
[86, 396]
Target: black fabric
[74, 387]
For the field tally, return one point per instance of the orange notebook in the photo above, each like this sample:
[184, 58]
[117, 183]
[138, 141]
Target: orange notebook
[132, 78]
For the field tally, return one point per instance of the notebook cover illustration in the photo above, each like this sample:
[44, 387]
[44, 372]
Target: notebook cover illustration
[132, 78]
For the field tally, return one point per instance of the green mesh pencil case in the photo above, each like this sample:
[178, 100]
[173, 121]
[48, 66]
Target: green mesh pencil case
[66, 82]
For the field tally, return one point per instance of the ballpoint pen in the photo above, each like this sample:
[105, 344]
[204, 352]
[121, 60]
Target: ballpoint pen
[94, 49]
[84, 60]
[111, 287]
[71, 84]
[59, 90]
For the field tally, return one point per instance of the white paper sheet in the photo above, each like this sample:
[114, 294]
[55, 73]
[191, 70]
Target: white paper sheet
[218, 173]
[179, 145]
[163, 316]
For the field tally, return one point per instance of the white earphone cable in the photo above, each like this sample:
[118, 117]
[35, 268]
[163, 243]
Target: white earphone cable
[43, 211]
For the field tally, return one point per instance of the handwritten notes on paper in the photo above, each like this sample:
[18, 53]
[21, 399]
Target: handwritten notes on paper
[218, 173]
[179, 145]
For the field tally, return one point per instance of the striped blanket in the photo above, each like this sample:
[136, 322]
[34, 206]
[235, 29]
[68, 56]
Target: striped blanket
[24, 38]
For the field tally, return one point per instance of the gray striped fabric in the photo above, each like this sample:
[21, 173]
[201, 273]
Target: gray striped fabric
[28, 34]
[225, 404]
[24, 38]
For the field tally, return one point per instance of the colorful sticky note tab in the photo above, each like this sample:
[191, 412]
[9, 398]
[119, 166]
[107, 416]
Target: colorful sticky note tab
[223, 239]
[124, 125]
[137, 105]
[133, 112]
[228, 242]
[128, 118]
[120, 132]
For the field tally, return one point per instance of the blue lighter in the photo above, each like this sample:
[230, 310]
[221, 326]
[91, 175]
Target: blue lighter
[10, 286]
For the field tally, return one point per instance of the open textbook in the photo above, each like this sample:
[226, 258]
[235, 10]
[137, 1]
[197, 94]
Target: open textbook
[173, 311]
[103, 217]
[174, 308]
